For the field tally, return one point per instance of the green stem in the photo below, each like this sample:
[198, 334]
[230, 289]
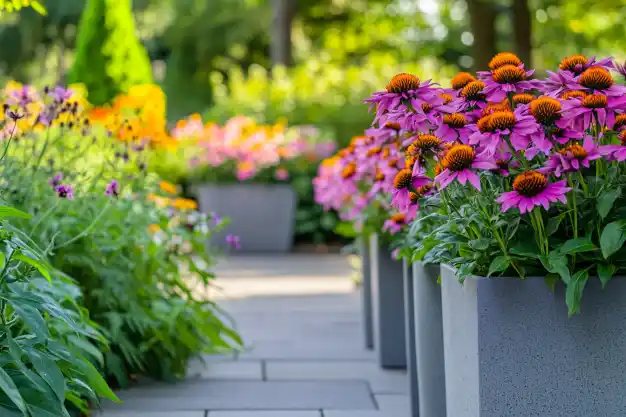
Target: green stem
[84, 232]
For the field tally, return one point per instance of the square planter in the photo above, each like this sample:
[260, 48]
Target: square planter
[409, 335]
[388, 306]
[366, 291]
[261, 215]
[510, 349]
[428, 337]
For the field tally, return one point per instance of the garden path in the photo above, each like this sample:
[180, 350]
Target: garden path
[300, 317]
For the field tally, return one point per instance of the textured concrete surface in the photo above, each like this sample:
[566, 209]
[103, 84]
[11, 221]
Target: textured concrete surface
[262, 216]
[388, 306]
[301, 320]
[530, 358]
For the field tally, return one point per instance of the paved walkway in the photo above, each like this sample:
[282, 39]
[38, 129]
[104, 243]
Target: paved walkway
[300, 317]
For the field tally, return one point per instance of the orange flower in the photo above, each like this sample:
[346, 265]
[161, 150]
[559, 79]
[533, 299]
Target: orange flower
[154, 228]
[167, 187]
[184, 204]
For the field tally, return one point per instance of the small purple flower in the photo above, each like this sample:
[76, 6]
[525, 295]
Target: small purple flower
[216, 219]
[113, 189]
[233, 241]
[61, 94]
[65, 191]
[56, 180]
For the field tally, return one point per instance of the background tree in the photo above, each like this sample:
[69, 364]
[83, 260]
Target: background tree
[109, 57]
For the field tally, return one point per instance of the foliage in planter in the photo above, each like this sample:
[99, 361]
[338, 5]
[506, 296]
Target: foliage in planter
[242, 151]
[138, 257]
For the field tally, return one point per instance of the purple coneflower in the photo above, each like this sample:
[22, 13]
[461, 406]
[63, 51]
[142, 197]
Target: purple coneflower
[521, 128]
[402, 90]
[402, 184]
[530, 190]
[578, 113]
[459, 163]
[507, 79]
[572, 158]
[615, 152]
[395, 223]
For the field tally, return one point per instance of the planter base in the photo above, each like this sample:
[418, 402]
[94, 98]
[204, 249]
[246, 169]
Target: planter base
[510, 349]
[388, 307]
[409, 334]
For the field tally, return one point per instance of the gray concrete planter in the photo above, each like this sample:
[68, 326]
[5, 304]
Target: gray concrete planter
[409, 335]
[388, 306]
[262, 215]
[429, 353]
[510, 349]
[366, 291]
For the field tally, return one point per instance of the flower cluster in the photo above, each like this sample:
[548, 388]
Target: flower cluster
[494, 144]
[244, 148]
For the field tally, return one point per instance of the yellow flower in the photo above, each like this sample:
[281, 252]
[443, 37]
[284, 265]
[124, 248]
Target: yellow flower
[184, 204]
[154, 228]
[167, 187]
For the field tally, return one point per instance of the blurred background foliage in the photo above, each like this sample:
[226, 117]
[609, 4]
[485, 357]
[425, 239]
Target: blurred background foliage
[303, 61]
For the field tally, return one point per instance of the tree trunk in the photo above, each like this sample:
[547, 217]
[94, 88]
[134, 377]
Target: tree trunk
[483, 24]
[284, 13]
[522, 31]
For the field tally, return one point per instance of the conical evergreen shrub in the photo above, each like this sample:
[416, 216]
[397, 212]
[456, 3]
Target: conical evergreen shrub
[109, 57]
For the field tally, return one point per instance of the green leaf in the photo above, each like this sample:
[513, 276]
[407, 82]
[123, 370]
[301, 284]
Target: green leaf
[551, 280]
[8, 386]
[479, 244]
[582, 244]
[554, 223]
[612, 238]
[499, 264]
[527, 249]
[606, 201]
[33, 319]
[6, 211]
[574, 291]
[50, 373]
[346, 229]
[37, 264]
[605, 273]
[556, 263]
[96, 381]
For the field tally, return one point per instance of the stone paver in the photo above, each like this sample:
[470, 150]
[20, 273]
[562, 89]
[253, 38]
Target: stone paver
[150, 414]
[267, 413]
[248, 395]
[300, 318]
[250, 370]
[381, 381]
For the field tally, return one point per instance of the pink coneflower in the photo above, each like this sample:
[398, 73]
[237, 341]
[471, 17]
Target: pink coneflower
[459, 163]
[520, 127]
[507, 79]
[531, 189]
[403, 182]
[599, 80]
[557, 83]
[572, 157]
[577, 64]
[395, 223]
[578, 113]
[453, 127]
[504, 162]
[233, 241]
[402, 90]
[65, 191]
[428, 115]
[615, 152]
[113, 189]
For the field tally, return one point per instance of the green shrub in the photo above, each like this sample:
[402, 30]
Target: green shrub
[109, 57]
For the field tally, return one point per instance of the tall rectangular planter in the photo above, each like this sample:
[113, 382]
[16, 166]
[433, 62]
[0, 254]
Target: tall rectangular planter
[388, 306]
[510, 349]
[262, 215]
[431, 379]
[409, 336]
[366, 292]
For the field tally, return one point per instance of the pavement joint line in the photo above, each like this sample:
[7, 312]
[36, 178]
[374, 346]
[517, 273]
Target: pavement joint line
[263, 370]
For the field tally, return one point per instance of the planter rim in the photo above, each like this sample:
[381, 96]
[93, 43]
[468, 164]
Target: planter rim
[453, 270]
